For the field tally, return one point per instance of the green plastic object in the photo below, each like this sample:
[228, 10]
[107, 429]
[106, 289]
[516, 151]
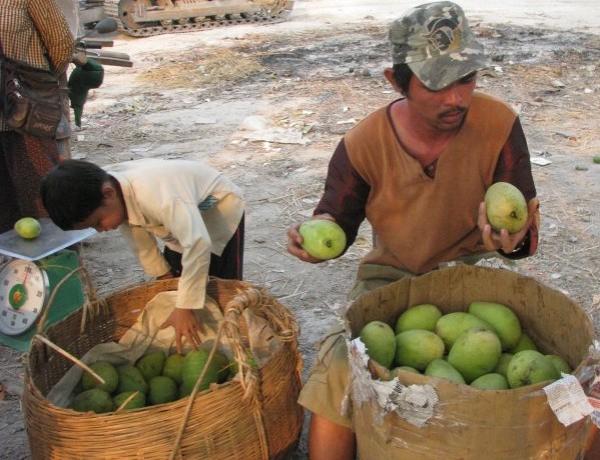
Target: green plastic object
[69, 297]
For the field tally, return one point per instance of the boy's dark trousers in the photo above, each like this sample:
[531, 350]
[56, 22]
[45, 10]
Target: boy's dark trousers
[227, 266]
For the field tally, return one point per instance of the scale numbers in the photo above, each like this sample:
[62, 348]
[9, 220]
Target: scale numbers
[23, 293]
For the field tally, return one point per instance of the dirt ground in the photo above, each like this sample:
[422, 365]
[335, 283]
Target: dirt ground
[267, 105]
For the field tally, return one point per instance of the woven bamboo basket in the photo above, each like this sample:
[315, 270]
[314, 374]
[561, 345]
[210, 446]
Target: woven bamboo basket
[255, 418]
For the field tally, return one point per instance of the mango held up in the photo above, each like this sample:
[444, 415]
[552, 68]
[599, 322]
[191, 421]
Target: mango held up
[322, 239]
[502, 319]
[505, 207]
[380, 341]
[423, 316]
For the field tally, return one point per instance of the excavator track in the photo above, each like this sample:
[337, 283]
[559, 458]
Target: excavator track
[277, 12]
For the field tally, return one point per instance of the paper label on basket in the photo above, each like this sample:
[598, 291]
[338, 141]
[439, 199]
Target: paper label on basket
[567, 400]
[413, 403]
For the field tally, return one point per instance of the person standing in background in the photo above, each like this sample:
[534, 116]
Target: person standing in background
[36, 33]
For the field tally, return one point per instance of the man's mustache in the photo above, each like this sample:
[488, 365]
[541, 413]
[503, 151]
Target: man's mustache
[453, 111]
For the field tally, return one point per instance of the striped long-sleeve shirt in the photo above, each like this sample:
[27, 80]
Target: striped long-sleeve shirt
[35, 32]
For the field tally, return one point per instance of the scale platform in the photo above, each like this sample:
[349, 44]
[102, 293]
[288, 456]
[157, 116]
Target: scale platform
[51, 240]
[27, 283]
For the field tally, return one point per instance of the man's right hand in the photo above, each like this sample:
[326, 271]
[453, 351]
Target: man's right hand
[294, 246]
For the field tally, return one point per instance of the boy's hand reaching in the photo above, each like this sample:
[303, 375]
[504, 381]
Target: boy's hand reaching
[186, 326]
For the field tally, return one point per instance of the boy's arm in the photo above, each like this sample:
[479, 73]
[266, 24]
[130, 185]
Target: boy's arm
[185, 224]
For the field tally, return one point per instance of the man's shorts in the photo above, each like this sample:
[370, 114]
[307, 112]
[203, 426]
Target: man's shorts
[327, 386]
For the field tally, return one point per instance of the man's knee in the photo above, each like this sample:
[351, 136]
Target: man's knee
[329, 441]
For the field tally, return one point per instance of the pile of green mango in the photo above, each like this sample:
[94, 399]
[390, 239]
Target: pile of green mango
[484, 347]
[154, 379]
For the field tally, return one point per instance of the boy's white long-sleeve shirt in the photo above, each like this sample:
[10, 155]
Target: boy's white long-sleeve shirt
[162, 198]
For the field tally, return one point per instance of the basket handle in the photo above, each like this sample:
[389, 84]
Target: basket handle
[91, 298]
[250, 298]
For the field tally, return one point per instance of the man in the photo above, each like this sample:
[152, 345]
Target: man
[418, 170]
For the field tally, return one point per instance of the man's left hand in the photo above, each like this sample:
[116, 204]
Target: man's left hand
[186, 326]
[493, 241]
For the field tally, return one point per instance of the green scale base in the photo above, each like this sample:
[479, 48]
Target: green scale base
[69, 297]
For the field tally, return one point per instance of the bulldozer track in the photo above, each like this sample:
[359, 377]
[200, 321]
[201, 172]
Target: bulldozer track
[277, 13]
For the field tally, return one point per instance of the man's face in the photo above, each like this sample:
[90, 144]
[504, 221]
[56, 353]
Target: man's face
[109, 215]
[445, 109]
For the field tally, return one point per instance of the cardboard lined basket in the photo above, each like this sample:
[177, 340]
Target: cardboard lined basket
[255, 418]
[467, 423]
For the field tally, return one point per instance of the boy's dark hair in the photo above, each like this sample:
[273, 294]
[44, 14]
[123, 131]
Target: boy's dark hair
[402, 75]
[72, 191]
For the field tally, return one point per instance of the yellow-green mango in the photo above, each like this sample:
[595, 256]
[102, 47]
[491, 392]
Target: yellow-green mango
[492, 381]
[417, 348]
[380, 341]
[476, 352]
[443, 370]
[423, 316]
[528, 367]
[502, 319]
[451, 325]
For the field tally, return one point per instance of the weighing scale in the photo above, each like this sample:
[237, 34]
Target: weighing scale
[28, 281]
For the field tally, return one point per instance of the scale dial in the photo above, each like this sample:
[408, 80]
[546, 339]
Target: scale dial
[23, 295]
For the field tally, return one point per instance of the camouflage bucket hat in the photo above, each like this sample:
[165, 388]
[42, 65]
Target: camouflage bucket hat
[436, 42]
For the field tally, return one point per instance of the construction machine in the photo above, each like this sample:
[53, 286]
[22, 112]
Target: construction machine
[143, 18]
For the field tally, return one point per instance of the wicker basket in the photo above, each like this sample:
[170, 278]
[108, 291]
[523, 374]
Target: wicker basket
[257, 418]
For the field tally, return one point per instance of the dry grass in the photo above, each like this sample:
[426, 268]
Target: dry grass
[206, 67]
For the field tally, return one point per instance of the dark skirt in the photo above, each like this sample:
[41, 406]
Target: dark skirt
[24, 161]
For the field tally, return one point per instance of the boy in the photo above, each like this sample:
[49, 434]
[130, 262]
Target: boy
[193, 208]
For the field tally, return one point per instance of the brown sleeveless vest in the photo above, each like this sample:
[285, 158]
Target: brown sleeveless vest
[422, 221]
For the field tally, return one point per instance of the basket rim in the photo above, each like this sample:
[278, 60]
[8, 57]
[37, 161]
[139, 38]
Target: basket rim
[287, 347]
